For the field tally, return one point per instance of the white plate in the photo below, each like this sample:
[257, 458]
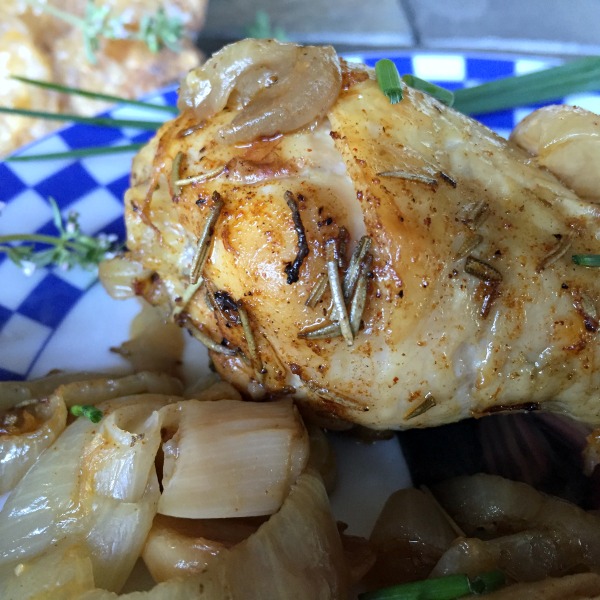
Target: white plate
[56, 319]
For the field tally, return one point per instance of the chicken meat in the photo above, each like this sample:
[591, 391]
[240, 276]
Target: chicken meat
[390, 265]
[41, 40]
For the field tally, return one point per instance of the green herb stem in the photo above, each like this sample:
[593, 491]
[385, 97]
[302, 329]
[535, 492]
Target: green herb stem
[448, 587]
[388, 79]
[95, 95]
[96, 121]
[439, 93]
[88, 411]
[35, 238]
[69, 248]
[580, 75]
[65, 16]
[263, 29]
[77, 153]
[587, 260]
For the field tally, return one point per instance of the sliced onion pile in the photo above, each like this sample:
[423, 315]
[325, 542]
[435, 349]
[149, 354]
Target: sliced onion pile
[77, 522]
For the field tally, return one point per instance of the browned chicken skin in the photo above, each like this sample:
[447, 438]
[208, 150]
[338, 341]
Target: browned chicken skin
[466, 300]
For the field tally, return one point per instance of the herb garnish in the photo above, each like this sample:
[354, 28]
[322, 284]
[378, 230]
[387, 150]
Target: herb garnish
[388, 79]
[88, 411]
[263, 29]
[446, 587]
[587, 260]
[69, 248]
[292, 270]
[156, 31]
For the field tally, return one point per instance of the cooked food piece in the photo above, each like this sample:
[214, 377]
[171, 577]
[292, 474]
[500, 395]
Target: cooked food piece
[111, 73]
[36, 43]
[389, 265]
[19, 55]
[565, 140]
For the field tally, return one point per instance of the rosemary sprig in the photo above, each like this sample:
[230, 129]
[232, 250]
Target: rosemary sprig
[73, 91]
[156, 31]
[69, 248]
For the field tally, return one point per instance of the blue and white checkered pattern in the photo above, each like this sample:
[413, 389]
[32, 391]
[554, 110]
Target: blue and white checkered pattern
[33, 307]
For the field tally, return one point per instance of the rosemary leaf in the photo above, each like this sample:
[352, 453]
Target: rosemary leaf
[77, 153]
[255, 359]
[96, 121]
[292, 270]
[206, 340]
[175, 170]
[326, 331]
[201, 177]
[482, 270]
[353, 270]
[96, 95]
[317, 291]
[337, 293]
[359, 298]
[205, 239]
[409, 176]
[188, 294]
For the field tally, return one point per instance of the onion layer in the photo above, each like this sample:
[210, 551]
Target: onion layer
[73, 492]
[297, 86]
[565, 140]
[26, 432]
[231, 458]
[539, 535]
[184, 547]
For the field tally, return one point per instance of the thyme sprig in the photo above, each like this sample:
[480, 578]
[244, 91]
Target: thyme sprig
[70, 248]
[157, 31]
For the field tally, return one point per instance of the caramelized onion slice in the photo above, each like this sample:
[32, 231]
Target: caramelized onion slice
[530, 525]
[25, 432]
[123, 277]
[300, 84]
[565, 140]
[231, 458]
[184, 547]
